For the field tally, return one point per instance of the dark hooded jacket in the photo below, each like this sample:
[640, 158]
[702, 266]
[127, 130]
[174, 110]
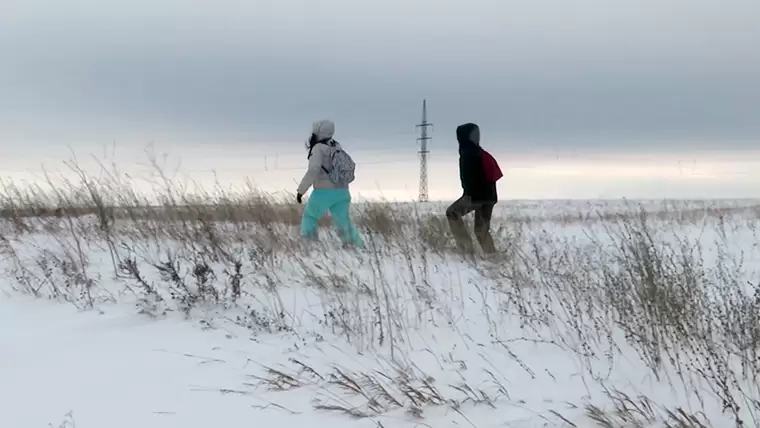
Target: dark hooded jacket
[471, 172]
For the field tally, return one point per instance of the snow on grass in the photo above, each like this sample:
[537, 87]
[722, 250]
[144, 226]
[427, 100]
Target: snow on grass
[214, 313]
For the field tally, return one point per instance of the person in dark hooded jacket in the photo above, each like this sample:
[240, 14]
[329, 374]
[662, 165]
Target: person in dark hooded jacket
[479, 195]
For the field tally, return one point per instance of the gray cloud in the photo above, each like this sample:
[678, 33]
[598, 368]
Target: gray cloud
[585, 74]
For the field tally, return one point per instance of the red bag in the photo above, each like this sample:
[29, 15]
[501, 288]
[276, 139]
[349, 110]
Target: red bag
[491, 168]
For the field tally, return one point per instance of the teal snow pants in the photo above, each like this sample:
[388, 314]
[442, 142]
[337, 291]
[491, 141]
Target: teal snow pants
[338, 203]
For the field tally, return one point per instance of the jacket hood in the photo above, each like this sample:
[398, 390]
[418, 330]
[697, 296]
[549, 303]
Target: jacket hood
[323, 129]
[469, 133]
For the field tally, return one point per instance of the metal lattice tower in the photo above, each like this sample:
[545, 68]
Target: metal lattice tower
[423, 139]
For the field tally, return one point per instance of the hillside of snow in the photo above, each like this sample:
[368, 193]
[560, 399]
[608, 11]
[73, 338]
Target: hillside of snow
[603, 313]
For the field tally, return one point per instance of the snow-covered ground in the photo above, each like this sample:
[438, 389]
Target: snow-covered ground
[577, 323]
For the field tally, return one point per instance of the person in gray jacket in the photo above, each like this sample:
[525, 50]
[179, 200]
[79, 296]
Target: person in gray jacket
[327, 194]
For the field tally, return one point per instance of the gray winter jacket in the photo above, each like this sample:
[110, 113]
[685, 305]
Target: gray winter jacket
[319, 160]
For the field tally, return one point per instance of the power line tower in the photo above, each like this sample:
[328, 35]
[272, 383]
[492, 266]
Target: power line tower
[423, 139]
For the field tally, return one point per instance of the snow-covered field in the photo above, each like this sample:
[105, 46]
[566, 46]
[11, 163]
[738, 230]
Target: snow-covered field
[595, 314]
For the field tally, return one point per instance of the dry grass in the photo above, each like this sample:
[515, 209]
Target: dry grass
[641, 412]
[363, 395]
[68, 422]
[634, 283]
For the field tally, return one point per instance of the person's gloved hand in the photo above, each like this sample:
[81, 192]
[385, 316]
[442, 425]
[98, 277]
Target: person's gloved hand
[299, 198]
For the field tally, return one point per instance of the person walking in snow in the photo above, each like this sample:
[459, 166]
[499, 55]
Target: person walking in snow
[478, 172]
[330, 172]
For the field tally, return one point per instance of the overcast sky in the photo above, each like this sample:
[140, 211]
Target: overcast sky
[588, 75]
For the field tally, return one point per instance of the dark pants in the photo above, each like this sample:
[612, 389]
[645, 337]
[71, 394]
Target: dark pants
[483, 211]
